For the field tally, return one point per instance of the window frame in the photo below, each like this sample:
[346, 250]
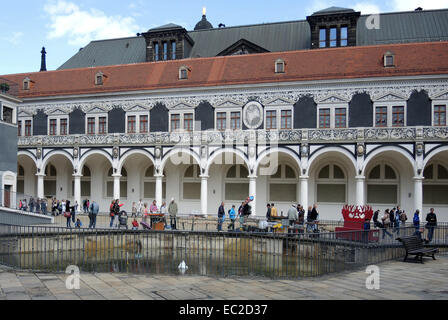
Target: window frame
[278, 114]
[181, 114]
[331, 180]
[389, 105]
[58, 119]
[25, 120]
[228, 112]
[96, 116]
[333, 107]
[382, 180]
[434, 104]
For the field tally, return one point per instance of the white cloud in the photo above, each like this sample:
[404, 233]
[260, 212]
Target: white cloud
[80, 27]
[15, 38]
[366, 8]
[409, 5]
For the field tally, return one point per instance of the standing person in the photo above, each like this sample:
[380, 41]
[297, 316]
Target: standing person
[44, 207]
[31, 204]
[292, 216]
[403, 219]
[112, 213]
[163, 208]
[153, 208]
[64, 205]
[397, 214]
[365, 233]
[274, 211]
[38, 205]
[309, 221]
[221, 214]
[375, 218]
[84, 205]
[74, 212]
[134, 210]
[268, 212]
[232, 217]
[94, 210]
[25, 206]
[172, 210]
[431, 223]
[67, 214]
[301, 214]
[416, 223]
[139, 208]
[386, 223]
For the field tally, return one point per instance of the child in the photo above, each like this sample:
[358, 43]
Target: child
[135, 224]
[78, 224]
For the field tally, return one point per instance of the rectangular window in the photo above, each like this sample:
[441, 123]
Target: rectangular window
[131, 124]
[344, 36]
[53, 126]
[381, 117]
[382, 193]
[102, 128]
[286, 119]
[7, 114]
[271, 120]
[165, 51]
[322, 38]
[63, 127]
[99, 80]
[235, 120]
[175, 122]
[143, 124]
[324, 118]
[156, 51]
[188, 122]
[27, 128]
[440, 115]
[397, 116]
[221, 121]
[91, 126]
[333, 193]
[340, 118]
[173, 50]
[19, 128]
[333, 37]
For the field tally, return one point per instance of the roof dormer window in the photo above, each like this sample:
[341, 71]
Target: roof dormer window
[389, 59]
[279, 66]
[99, 79]
[26, 84]
[183, 73]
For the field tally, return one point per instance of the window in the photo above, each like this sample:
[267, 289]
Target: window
[331, 184]
[435, 184]
[286, 119]
[279, 66]
[26, 84]
[397, 116]
[283, 184]
[324, 118]
[333, 37]
[381, 116]
[340, 120]
[165, 50]
[102, 128]
[99, 79]
[344, 36]
[144, 124]
[175, 122]
[382, 185]
[236, 183]
[7, 114]
[389, 59]
[192, 183]
[156, 51]
[235, 120]
[27, 128]
[91, 126]
[173, 50]
[188, 121]
[440, 115]
[271, 120]
[63, 127]
[19, 128]
[322, 38]
[53, 127]
[50, 181]
[149, 184]
[183, 73]
[221, 121]
[131, 124]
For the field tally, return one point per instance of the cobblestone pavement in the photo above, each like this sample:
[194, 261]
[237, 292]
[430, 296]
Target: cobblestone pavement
[398, 280]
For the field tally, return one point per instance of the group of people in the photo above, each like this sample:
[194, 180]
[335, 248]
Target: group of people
[396, 218]
[34, 205]
[244, 211]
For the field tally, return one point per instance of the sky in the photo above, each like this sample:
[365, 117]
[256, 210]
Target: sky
[65, 26]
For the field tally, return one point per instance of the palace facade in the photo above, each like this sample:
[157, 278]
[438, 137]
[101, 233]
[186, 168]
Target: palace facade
[339, 108]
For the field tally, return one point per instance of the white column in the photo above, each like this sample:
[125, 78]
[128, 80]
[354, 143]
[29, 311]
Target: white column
[418, 195]
[116, 185]
[40, 186]
[304, 193]
[360, 186]
[77, 190]
[253, 193]
[159, 186]
[204, 194]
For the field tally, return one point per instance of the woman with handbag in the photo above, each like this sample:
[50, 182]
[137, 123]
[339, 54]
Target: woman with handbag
[112, 213]
[386, 223]
[67, 214]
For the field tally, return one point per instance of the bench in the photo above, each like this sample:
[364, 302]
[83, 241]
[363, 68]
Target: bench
[414, 246]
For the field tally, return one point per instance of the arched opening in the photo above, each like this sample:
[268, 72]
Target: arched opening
[85, 183]
[383, 185]
[191, 184]
[50, 181]
[331, 184]
[110, 184]
[435, 184]
[20, 179]
[26, 178]
[236, 184]
[149, 184]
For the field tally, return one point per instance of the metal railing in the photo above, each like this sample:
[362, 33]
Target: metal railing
[275, 255]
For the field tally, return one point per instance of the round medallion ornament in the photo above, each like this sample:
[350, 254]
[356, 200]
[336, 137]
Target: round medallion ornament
[360, 150]
[253, 115]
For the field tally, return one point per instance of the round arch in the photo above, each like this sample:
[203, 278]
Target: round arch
[178, 151]
[28, 154]
[372, 155]
[51, 154]
[342, 151]
[133, 152]
[236, 152]
[433, 153]
[90, 153]
[285, 151]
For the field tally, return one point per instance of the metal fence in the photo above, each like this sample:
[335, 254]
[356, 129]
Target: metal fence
[273, 255]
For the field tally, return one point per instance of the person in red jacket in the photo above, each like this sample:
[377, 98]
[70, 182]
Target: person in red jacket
[135, 224]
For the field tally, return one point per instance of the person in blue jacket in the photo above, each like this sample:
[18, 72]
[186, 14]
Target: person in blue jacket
[416, 222]
[232, 217]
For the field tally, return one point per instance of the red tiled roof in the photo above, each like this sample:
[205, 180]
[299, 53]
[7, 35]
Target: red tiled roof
[323, 64]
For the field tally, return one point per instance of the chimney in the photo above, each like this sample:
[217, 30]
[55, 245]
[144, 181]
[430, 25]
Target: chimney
[43, 64]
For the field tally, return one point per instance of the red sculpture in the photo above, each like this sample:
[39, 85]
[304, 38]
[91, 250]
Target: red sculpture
[354, 219]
